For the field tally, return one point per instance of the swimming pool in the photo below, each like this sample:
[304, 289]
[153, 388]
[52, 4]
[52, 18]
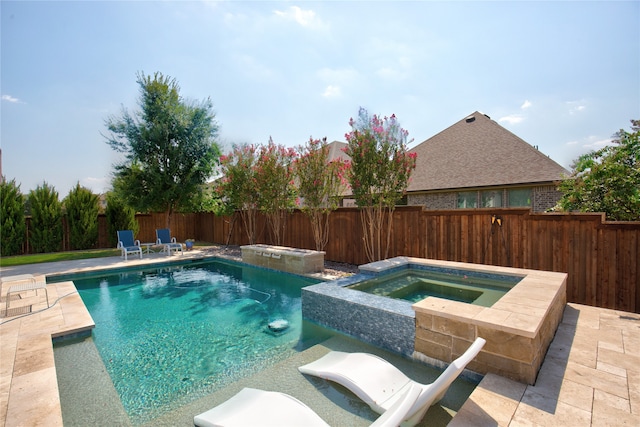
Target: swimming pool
[415, 284]
[171, 335]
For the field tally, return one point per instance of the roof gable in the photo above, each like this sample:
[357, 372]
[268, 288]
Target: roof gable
[478, 152]
[336, 151]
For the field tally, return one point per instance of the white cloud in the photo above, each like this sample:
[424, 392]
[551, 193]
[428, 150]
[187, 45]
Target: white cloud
[576, 107]
[211, 4]
[512, 119]
[595, 144]
[305, 18]
[391, 59]
[336, 79]
[252, 67]
[234, 19]
[340, 75]
[11, 99]
[525, 105]
[332, 91]
[388, 73]
[400, 71]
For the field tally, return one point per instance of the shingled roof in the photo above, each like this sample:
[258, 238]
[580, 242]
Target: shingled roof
[478, 152]
[336, 151]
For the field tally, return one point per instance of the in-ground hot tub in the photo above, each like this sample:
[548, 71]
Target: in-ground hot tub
[518, 326]
[416, 284]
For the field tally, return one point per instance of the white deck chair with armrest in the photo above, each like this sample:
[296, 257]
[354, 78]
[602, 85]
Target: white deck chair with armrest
[380, 384]
[259, 408]
[168, 243]
[127, 245]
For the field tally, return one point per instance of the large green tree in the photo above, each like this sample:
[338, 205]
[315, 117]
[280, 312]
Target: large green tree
[12, 221]
[169, 146]
[81, 211]
[607, 180]
[46, 219]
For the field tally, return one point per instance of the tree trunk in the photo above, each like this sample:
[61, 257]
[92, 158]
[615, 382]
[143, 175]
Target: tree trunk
[168, 217]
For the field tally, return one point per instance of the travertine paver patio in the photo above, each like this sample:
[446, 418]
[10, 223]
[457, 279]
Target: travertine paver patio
[590, 376]
[28, 384]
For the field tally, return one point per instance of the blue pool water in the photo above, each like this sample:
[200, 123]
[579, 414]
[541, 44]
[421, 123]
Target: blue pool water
[416, 284]
[173, 335]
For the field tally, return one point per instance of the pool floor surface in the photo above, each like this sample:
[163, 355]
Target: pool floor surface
[97, 403]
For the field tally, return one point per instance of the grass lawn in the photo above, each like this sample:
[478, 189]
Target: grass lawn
[56, 256]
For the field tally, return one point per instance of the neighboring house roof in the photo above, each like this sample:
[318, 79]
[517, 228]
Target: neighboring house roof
[478, 152]
[336, 151]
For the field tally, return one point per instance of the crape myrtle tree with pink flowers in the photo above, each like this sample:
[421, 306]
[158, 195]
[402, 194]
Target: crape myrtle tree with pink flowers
[320, 182]
[263, 179]
[274, 186]
[259, 179]
[378, 176]
[237, 186]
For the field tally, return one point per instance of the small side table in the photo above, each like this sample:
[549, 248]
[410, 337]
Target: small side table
[147, 248]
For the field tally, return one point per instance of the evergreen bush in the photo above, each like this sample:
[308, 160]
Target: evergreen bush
[12, 220]
[119, 217]
[81, 211]
[46, 220]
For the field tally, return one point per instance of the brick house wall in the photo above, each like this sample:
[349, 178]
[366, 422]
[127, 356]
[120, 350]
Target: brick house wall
[543, 198]
[434, 201]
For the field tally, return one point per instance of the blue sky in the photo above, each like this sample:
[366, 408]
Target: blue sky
[562, 75]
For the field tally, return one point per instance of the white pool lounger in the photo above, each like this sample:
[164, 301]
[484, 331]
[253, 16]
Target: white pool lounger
[258, 408]
[380, 384]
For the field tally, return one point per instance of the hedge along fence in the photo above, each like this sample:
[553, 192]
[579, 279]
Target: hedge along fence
[601, 257]
[102, 242]
[183, 226]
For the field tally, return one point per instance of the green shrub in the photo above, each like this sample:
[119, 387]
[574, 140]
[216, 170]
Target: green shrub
[46, 220]
[607, 180]
[119, 217]
[12, 221]
[81, 211]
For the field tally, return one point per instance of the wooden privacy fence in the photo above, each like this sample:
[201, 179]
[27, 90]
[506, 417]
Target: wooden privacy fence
[600, 257]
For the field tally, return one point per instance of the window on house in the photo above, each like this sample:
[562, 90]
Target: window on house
[520, 197]
[467, 199]
[492, 199]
